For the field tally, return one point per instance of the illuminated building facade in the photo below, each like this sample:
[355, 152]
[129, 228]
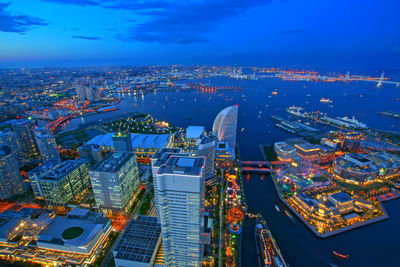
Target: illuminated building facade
[11, 182]
[24, 130]
[180, 193]
[37, 173]
[115, 182]
[122, 142]
[47, 145]
[36, 236]
[8, 138]
[225, 127]
[63, 183]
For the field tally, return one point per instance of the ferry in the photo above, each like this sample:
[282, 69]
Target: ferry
[340, 255]
[325, 100]
[277, 208]
[108, 109]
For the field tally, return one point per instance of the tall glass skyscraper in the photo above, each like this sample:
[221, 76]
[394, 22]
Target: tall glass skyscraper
[11, 182]
[225, 127]
[179, 188]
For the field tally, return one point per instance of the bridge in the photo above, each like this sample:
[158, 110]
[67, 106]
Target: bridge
[259, 166]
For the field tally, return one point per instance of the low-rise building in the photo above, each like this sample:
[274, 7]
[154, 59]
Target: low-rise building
[138, 245]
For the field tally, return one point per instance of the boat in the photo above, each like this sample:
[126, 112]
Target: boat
[340, 255]
[297, 111]
[187, 118]
[325, 100]
[242, 130]
[277, 208]
[274, 93]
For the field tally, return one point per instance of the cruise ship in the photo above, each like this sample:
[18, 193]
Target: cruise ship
[297, 111]
[353, 121]
[325, 100]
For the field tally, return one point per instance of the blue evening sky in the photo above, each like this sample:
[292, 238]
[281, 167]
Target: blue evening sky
[319, 33]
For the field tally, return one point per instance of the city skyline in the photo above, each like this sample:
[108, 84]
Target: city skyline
[279, 33]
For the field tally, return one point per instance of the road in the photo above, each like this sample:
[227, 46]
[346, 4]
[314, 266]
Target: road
[221, 221]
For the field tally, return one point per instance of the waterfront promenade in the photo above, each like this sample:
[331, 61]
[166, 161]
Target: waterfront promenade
[311, 227]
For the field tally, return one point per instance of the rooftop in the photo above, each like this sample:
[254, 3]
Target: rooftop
[139, 241]
[113, 161]
[166, 156]
[149, 141]
[341, 197]
[63, 169]
[183, 165]
[194, 131]
[166, 150]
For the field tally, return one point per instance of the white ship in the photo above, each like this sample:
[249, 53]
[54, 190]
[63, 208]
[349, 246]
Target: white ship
[353, 121]
[297, 111]
[325, 100]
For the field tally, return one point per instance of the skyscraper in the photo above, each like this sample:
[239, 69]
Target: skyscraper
[225, 127]
[24, 131]
[8, 138]
[11, 182]
[180, 193]
[159, 159]
[115, 181]
[47, 145]
[206, 148]
[122, 142]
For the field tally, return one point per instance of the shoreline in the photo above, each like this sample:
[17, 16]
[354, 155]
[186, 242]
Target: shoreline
[311, 227]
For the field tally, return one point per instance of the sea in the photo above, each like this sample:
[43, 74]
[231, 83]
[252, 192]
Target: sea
[372, 245]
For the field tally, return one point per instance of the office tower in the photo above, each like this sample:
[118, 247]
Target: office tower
[11, 182]
[8, 138]
[206, 148]
[138, 245]
[80, 92]
[60, 185]
[159, 159]
[122, 142]
[225, 127]
[37, 173]
[24, 131]
[91, 152]
[89, 91]
[180, 193]
[47, 145]
[115, 182]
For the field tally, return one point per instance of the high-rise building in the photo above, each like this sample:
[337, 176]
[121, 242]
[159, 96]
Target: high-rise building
[60, 185]
[80, 92]
[24, 131]
[47, 145]
[122, 142]
[180, 193]
[37, 173]
[8, 138]
[115, 181]
[225, 127]
[159, 159]
[92, 152]
[206, 148]
[11, 182]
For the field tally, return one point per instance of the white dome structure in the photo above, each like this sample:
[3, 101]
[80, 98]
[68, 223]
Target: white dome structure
[225, 126]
